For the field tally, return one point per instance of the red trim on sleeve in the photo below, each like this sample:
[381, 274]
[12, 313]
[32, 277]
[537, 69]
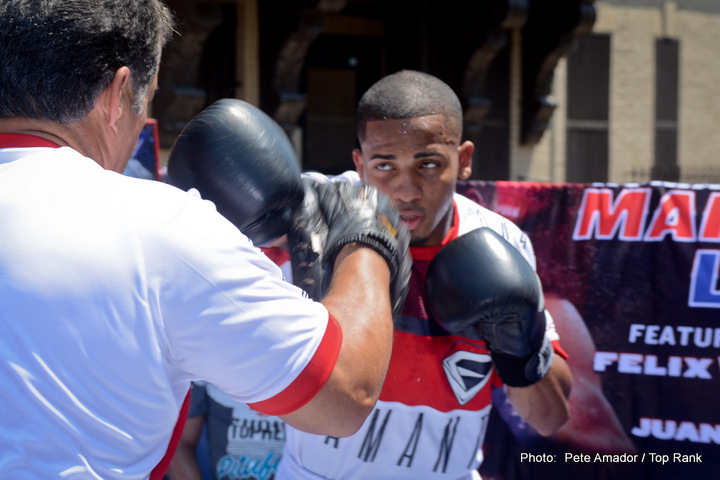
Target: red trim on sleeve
[311, 379]
[161, 468]
[558, 349]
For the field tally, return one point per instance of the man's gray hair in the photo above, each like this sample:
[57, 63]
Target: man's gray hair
[56, 56]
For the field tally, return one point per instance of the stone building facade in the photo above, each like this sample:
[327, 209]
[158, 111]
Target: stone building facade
[657, 67]
[562, 91]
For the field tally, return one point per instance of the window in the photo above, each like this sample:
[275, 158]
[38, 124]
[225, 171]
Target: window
[666, 110]
[588, 79]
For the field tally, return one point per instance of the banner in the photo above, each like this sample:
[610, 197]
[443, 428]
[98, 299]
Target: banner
[630, 274]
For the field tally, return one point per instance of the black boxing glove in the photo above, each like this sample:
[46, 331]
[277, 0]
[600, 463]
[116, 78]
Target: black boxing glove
[240, 159]
[337, 214]
[480, 286]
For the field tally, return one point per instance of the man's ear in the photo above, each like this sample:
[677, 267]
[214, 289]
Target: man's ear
[111, 99]
[358, 160]
[465, 152]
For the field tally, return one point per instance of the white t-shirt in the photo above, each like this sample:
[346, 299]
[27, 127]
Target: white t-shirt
[432, 415]
[115, 293]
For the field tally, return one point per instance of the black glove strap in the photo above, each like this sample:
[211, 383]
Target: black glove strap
[524, 371]
[379, 244]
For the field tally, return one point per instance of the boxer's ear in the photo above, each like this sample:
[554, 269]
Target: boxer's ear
[465, 152]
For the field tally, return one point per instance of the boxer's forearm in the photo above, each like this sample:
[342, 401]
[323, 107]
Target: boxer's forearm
[544, 405]
[359, 299]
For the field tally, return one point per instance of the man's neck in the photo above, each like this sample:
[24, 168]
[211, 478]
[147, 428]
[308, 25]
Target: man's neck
[48, 131]
[82, 136]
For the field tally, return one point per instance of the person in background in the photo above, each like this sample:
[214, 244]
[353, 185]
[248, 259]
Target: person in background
[241, 442]
[118, 292]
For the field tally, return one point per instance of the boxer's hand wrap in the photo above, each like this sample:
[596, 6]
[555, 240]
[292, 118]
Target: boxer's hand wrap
[348, 214]
[480, 286]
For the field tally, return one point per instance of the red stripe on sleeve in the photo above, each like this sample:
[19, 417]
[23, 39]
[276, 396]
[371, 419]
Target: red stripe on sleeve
[311, 380]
